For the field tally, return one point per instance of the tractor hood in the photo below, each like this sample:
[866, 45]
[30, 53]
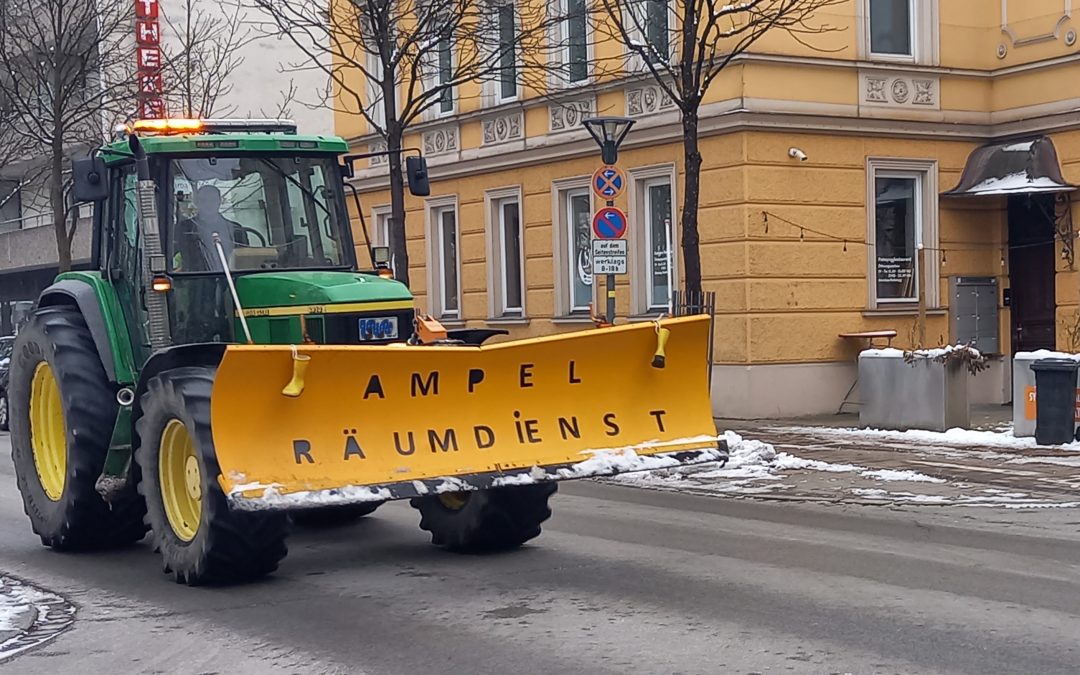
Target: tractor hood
[310, 291]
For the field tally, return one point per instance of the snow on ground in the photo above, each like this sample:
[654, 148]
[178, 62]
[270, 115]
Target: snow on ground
[965, 437]
[30, 616]
[757, 468]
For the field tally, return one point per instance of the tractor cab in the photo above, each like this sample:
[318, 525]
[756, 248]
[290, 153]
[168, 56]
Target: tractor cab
[247, 197]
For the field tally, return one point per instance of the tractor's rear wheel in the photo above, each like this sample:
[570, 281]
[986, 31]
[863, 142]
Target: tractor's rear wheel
[200, 539]
[333, 516]
[3, 411]
[61, 410]
[486, 520]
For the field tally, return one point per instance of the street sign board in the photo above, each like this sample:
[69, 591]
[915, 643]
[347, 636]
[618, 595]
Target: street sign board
[609, 223]
[608, 182]
[609, 256]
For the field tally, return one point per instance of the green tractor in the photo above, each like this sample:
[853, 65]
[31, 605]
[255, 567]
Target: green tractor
[224, 364]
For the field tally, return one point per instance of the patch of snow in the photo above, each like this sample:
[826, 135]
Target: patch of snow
[273, 498]
[937, 353]
[52, 616]
[1045, 354]
[885, 352]
[893, 475]
[791, 462]
[1018, 147]
[959, 437]
[1062, 461]
[1014, 182]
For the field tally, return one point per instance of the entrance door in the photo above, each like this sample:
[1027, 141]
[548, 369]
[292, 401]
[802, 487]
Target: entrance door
[1031, 272]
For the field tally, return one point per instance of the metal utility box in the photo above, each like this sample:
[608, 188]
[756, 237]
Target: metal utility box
[973, 312]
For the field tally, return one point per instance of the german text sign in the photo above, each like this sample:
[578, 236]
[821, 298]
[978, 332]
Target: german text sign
[609, 256]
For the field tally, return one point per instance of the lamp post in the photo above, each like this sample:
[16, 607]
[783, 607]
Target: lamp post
[609, 133]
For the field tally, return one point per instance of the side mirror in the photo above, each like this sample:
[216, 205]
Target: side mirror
[88, 180]
[416, 171]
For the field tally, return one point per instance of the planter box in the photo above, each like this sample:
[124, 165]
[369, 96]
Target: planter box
[920, 395]
[1023, 391]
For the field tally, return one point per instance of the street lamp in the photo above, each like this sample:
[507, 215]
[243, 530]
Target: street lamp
[608, 132]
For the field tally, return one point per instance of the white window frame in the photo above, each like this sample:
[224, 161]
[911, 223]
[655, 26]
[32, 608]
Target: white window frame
[494, 87]
[560, 36]
[561, 191]
[376, 109]
[379, 227]
[925, 34]
[634, 60]
[925, 171]
[496, 244]
[640, 264]
[436, 288]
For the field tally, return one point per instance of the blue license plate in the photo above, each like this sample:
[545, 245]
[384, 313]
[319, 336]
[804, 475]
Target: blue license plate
[378, 328]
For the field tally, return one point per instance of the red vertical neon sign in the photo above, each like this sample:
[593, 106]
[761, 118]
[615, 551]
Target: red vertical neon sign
[148, 59]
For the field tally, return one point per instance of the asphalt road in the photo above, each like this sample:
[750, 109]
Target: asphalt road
[622, 581]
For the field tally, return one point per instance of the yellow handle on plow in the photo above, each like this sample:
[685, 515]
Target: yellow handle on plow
[659, 359]
[295, 387]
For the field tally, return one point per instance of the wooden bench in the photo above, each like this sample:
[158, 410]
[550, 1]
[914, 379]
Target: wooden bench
[869, 336]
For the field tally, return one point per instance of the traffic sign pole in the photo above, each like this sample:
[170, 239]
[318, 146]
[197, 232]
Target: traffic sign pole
[611, 286]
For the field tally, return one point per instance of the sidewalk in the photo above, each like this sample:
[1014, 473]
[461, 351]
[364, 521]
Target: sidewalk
[829, 459]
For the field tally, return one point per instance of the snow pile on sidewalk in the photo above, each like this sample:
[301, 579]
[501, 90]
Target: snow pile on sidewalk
[749, 468]
[958, 437]
[30, 616]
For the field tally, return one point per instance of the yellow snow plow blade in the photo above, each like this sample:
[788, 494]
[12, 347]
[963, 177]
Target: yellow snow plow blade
[339, 424]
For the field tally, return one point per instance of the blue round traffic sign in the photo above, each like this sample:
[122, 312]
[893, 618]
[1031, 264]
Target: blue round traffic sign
[609, 223]
[608, 182]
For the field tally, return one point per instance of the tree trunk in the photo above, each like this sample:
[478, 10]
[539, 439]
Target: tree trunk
[59, 212]
[691, 248]
[399, 249]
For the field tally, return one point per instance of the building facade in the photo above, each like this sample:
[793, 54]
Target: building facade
[825, 170]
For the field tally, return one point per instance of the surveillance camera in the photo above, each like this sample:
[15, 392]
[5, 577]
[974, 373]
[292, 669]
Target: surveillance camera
[798, 154]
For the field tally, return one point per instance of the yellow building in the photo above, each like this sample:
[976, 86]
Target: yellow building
[823, 170]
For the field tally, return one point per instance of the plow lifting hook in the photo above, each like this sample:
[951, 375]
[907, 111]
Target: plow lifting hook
[300, 363]
[660, 356]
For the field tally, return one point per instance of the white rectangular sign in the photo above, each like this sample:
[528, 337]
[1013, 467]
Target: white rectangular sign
[609, 256]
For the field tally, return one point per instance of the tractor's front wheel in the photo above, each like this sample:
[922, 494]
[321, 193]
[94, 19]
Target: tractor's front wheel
[486, 520]
[62, 407]
[200, 539]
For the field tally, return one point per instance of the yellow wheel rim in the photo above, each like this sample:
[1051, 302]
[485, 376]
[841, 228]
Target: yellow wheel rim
[455, 501]
[181, 480]
[48, 433]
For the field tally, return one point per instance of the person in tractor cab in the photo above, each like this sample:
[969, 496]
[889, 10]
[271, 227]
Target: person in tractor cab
[195, 234]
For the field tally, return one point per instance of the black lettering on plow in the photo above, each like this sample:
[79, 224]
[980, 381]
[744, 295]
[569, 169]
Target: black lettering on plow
[400, 450]
[609, 422]
[352, 447]
[517, 426]
[532, 430]
[430, 385]
[659, 415]
[525, 377]
[476, 376]
[302, 449]
[569, 426]
[484, 443]
[374, 386]
[574, 379]
[445, 442]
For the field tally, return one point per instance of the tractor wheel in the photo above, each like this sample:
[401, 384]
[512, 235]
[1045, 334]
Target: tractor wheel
[62, 409]
[200, 539]
[333, 516]
[487, 520]
[3, 411]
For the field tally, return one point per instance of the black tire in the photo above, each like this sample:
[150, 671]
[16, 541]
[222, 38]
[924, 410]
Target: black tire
[333, 516]
[228, 546]
[4, 425]
[488, 520]
[80, 519]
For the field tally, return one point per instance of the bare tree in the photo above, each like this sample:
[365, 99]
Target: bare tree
[684, 45]
[202, 49]
[395, 62]
[66, 79]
